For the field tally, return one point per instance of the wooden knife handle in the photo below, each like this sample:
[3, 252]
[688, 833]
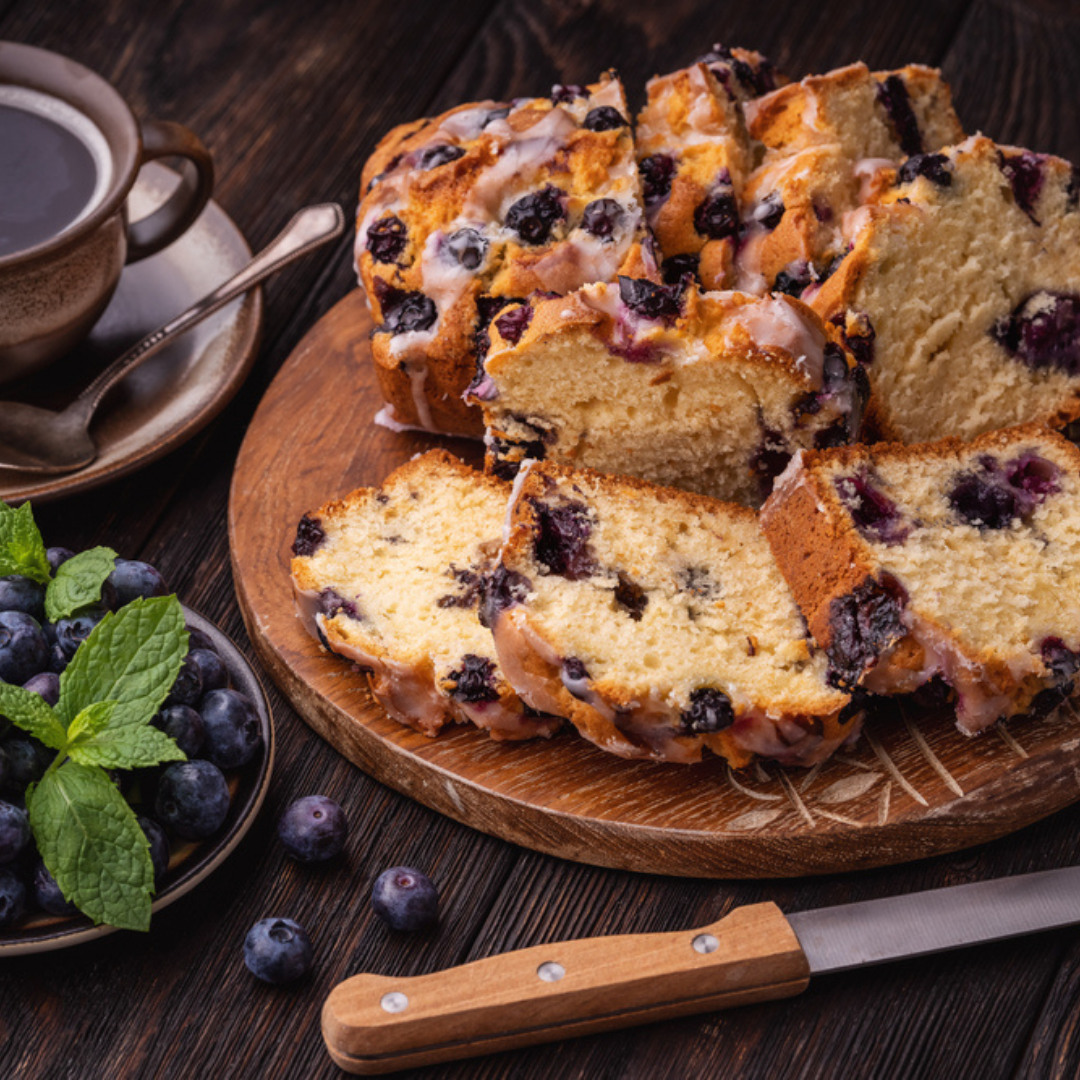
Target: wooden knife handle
[374, 1024]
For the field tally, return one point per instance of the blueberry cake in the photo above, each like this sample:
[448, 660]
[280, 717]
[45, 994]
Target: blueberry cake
[962, 294]
[390, 578]
[487, 203]
[658, 623]
[694, 155]
[831, 144]
[949, 560]
[709, 392]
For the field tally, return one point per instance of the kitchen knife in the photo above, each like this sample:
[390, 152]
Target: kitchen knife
[376, 1024]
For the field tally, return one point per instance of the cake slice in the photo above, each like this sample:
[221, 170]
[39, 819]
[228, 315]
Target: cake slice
[964, 294]
[832, 144]
[694, 155]
[658, 623]
[709, 392]
[489, 202]
[950, 560]
[390, 578]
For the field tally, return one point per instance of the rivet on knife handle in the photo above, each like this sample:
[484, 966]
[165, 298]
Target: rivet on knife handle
[375, 1024]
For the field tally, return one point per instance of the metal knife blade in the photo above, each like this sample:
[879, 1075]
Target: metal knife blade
[897, 927]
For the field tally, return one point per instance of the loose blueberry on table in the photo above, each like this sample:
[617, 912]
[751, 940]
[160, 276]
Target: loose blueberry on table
[312, 829]
[277, 951]
[405, 899]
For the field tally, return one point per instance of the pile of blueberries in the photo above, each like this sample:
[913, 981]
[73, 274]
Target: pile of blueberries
[218, 728]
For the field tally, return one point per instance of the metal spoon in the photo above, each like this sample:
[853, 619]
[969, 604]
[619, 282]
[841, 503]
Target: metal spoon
[39, 440]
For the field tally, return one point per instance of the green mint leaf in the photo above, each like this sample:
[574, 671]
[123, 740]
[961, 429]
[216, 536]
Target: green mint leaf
[131, 657]
[91, 720]
[78, 582]
[127, 748]
[31, 713]
[22, 551]
[92, 845]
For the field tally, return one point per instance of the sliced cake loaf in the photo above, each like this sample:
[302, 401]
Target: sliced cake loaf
[694, 155]
[832, 142]
[955, 560]
[486, 203]
[658, 623]
[390, 577]
[965, 294]
[709, 392]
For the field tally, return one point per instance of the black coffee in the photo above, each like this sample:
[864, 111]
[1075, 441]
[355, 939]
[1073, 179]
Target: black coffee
[47, 177]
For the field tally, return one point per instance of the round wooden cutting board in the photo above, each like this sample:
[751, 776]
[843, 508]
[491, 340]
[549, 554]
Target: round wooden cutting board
[911, 787]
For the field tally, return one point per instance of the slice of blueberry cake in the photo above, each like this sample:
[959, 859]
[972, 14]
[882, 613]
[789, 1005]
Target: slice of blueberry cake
[709, 392]
[694, 155]
[832, 143]
[953, 560]
[658, 623]
[964, 293]
[486, 203]
[390, 578]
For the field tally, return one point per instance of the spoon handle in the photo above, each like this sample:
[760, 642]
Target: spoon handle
[309, 229]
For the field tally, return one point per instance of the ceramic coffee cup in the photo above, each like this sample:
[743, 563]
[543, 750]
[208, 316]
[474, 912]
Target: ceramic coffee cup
[53, 290]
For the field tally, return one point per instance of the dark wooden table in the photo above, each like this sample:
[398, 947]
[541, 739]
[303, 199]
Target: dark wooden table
[291, 97]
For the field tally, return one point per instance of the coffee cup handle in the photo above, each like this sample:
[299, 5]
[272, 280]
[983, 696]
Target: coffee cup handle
[160, 139]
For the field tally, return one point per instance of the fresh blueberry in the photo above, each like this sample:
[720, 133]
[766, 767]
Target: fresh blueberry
[14, 832]
[47, 893]
[192, 799]
[602, 217]
[312, 829]
[73, 631]
[405, 899]
[135, 580]
[200, 639]
[184, 726]
[604, 118]
[23, 648]
[57, 556]
[533, 216]
[467, 247]
[215, 675]
[58, 659]
[159, 846]
[657, 172]
[27, 761]
[5, 768]
[403, 312]
[277, 951]
[46, 684]
[188, 687]
[233, 731]
[12, 898]
[386, 239]
[18, 593]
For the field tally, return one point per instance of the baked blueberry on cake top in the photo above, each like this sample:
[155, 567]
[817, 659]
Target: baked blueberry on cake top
[390, 578]
[658, 623]
[953, 560]
[489, 202]
[709, 392]
[965, 288]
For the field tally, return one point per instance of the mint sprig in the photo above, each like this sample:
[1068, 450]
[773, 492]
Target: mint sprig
[22, 551]
[86, 832]
[78, 582]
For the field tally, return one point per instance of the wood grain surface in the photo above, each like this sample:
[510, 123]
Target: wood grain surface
[913, 786]
[291, 98]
